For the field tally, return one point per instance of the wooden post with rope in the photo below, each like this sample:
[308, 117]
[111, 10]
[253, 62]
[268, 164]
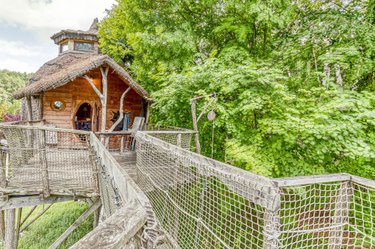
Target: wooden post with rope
[196, 119]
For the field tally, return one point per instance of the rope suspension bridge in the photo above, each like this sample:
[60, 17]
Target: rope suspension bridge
[154, 192]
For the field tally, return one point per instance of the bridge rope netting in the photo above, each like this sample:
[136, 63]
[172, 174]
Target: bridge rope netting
[203, 203]
[48, 161]
[185, 200]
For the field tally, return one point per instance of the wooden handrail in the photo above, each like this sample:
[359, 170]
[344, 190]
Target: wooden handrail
[117, 230]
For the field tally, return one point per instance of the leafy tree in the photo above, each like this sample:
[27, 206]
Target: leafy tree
[9, 83]
[295, 79]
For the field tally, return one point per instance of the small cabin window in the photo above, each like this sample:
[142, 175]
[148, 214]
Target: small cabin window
[83, 46]
[58, 105]
[64, 47]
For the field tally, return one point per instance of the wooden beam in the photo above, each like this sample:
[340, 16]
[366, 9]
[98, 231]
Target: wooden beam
[121, 110]
[26, 201]
[80, 219]
[35, 218]
[302, 180]
[117, 230]
[96, 90]
[95, 222]
[148, 109]
[28, 215]
[2, 225]
[9, 229]
[104, 73]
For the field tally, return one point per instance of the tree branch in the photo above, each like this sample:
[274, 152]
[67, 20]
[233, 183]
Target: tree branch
[120, 110]
[94, 87]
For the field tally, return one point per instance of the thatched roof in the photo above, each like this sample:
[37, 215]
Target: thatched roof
[70, 66]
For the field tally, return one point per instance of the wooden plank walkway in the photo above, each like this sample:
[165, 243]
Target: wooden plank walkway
[127, 160]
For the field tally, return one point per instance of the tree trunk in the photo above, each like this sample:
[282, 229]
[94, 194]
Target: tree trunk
[338, 77]
[105, 97]
[121, 110]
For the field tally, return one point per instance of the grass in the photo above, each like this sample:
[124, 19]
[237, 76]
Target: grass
[44, 231]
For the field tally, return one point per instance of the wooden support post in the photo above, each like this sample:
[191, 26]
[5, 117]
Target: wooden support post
[122, 144]
[341, 215]
[29, 108]
[104, 73]
[272, 223]
[44, 163]
[2, 225]
[81, 219]
[17, 227]
[179, 139]
[96, 218]
[3, 167]
[148, 113]
[102, 96]
[35, 218]
[195, 124]
[28, 215]
[9, 242]
[121, 111]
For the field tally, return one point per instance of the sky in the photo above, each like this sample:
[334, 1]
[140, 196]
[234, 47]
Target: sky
[27, 25]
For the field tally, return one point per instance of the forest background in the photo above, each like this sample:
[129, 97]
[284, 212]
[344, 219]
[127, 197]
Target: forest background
[295, 79]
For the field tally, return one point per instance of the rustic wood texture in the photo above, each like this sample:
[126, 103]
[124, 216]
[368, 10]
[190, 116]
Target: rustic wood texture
[2, 225]
[57, 163]
[17, 226]
[36, 217]
[195, 125]
[27, 201]
[10, 219]
[117, 230]
[80, 91]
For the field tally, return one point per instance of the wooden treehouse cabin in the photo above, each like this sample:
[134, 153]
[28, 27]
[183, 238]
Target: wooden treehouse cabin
[158, 193]
[83, 89]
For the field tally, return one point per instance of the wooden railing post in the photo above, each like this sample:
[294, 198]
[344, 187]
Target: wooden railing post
[44, 162]
[272, 223]
[341, 215]
[179, 140]
[3, 167]
[2, 225]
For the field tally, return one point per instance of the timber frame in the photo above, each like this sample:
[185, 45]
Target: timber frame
[102, 96]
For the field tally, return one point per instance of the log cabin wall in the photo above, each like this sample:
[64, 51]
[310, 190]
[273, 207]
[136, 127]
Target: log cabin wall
[79, 91]
[132, 104]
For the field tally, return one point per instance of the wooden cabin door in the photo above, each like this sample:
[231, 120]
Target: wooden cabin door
[82, 118]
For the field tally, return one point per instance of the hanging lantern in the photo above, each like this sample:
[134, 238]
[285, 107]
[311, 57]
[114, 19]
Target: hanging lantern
[211, 115]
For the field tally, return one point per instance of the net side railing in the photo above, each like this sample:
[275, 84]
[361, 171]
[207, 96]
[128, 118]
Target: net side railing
[329, 211]
[202, 203]
[127, 217]
[123, 141]
[48, 161]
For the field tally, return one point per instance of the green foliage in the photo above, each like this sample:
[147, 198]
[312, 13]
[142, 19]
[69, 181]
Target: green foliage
[48, 228]
[9, 83]
[295, 79]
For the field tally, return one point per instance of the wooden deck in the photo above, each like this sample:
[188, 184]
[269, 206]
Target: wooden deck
[127, 161]
[70, 172]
